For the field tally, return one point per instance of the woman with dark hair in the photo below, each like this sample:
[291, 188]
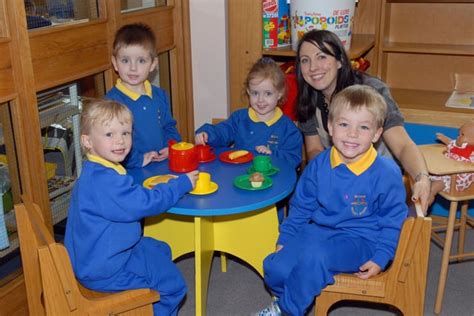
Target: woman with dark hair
[323, 69]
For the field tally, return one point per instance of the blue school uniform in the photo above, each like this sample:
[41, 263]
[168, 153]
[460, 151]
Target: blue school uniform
[341, 216]
[104, 236]
[244, 131]
[153, 123]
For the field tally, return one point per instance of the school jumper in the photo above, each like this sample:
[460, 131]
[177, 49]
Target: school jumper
[340, 217]
[104, 236]
[153, 123]
[244, 131]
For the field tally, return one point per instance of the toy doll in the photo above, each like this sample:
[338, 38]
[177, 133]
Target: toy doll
[460, 149]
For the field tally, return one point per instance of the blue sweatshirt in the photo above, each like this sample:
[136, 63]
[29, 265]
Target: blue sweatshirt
[104, 217]
[244, 131]
[365, 198]
[153, 123]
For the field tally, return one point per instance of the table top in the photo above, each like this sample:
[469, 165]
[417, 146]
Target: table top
[228, 199]
[438, 164]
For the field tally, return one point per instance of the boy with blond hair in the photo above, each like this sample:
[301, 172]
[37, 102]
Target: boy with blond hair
[103, 234]
[346, 212]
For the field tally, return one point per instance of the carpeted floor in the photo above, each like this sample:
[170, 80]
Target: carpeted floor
[240, 291]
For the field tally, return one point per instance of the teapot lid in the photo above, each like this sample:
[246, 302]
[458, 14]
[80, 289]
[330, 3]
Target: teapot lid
[182, 146]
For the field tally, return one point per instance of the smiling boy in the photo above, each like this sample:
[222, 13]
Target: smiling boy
[134, 58]
[346, 212]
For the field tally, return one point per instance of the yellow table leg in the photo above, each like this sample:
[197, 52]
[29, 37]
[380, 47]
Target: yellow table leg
[204, 245]
[176, 230]
[250, 236]
[223, 262]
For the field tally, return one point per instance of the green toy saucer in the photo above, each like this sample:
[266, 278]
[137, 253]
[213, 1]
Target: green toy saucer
[242, 182]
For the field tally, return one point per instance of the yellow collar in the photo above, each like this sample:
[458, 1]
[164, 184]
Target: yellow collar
[357, 167]
[132, 94]
[116, 166]
[278, 113]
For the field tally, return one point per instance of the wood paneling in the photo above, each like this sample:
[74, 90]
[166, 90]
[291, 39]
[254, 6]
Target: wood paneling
[160, 20]
[32, 61]
[66, 54]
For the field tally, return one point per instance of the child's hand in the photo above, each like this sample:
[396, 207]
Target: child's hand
[193, 176]
[263, 150]
[201, 138]
[162, 154]
[149, 157]
[368, 270]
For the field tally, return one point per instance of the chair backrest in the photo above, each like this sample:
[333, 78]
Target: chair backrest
[33, 234]
[408, 245]
[215, 121]
[50, 282]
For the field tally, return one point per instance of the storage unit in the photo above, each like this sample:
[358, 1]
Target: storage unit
[65, 111]
[421, 46]
[49, 57]
[245, 40]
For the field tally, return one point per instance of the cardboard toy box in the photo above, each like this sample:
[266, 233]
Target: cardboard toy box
[276, 23]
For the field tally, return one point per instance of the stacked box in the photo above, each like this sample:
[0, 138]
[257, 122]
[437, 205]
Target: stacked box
[276, 23]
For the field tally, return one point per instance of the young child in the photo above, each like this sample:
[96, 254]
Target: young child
[103, 233]
[262, 127]
[134, 58]
[346, 212]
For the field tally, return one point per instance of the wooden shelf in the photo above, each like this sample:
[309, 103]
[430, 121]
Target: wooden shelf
[428, 107]
[440, 49]
[431, 1]
[360, 45]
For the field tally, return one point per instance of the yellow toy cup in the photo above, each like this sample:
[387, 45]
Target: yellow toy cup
[262, 163]
[203, 184]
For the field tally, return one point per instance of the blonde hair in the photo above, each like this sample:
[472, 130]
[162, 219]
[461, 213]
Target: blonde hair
[99, 111]
[356, 97]
[266, 68]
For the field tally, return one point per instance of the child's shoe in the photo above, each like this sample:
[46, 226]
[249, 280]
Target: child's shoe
[272, 310]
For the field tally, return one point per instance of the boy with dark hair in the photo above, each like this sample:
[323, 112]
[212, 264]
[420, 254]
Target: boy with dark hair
[134, 58]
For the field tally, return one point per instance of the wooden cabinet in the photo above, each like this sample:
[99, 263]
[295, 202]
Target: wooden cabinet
[245, 40]
[421, 46]
[44, 58]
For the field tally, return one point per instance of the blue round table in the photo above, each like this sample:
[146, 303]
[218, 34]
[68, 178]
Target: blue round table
[239, 222]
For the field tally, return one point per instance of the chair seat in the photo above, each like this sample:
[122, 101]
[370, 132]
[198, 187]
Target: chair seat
[403, 283]
[51, 286]
[350, 284]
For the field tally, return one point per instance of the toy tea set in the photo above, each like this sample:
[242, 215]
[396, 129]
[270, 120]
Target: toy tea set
[184, 157]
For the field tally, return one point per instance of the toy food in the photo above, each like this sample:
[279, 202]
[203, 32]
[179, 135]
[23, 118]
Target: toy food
[237, 154]
[162, 179]
[256, 179]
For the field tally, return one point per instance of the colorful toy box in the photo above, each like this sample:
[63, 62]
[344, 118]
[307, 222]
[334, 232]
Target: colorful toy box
[276, 23]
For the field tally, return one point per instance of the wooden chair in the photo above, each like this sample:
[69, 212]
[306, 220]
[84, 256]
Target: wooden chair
[402, 285]
[51, 286]
[438, 164]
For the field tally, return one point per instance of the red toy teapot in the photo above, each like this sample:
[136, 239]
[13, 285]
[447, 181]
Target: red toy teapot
[182, 156]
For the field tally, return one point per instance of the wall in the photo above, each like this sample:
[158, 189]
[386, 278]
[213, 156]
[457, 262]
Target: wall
[209, 56]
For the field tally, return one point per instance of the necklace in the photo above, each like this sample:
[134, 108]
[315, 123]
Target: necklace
[325, 106]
